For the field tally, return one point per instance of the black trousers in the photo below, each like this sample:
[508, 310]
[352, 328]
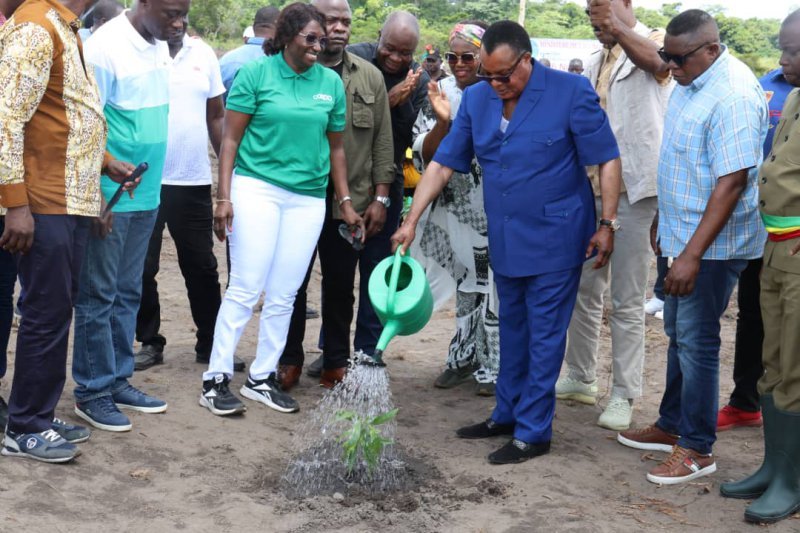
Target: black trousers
[747, 367]
[49, 274]
[338, 261]
[186, 211]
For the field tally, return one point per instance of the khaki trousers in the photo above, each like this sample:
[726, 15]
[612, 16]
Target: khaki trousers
[627, 273]
[780, 311]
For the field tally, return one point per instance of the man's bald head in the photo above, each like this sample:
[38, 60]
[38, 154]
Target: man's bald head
[401, 21]
[338, 20]
[398, 41]
[323, 5]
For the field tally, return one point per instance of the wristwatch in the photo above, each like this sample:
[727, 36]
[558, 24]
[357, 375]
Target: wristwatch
[385, 200]
[613, 225]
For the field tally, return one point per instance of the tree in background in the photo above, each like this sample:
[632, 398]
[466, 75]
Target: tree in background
[753, 40]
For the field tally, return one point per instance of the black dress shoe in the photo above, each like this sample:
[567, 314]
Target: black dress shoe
[238, 364]
[149, 355]
[517, 451]
[485, 429]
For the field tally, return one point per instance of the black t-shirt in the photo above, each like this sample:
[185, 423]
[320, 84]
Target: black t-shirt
[404, 115]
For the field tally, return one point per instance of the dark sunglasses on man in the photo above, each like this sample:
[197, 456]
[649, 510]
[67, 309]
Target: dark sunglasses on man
[468, 58]
[431, 59]
[504, 78]
[680, 60]
[312, 39]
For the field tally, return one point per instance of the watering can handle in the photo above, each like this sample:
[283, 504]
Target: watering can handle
[390, 296]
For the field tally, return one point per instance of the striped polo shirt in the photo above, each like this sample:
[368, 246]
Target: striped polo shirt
[133, 76]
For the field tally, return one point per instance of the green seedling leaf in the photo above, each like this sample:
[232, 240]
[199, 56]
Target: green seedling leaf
[345, 415]
[363, 439]
[383, 417]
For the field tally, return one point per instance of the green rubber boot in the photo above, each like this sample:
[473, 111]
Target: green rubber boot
[754, 485]
[782, 498]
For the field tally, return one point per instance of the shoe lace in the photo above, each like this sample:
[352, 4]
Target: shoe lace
[130, 389]
[272, 379]
[222, 387]
[618, 406]
[50, 435]
[106, 405]
[676, 457]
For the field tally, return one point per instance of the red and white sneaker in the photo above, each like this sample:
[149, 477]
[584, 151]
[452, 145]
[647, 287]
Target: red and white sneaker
[730, 417]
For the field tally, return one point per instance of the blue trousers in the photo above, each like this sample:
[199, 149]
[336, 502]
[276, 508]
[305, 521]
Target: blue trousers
[8, 277]
[108, 302]
[49, 275]
[534, 316]
[692, 323]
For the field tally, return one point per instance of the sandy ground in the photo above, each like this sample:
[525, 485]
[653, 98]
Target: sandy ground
[189, 470]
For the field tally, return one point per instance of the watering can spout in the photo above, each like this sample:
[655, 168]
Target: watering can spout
[375, 361]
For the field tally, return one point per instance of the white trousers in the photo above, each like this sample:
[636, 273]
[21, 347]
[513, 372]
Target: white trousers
[627, 272]
[274, 235]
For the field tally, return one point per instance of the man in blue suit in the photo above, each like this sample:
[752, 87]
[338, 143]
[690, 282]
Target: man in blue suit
[533, 130]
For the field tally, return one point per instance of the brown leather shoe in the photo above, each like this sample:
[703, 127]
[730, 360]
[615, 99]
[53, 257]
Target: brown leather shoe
[330, 377]
[289, 376]
[682, 465]
[650, 438]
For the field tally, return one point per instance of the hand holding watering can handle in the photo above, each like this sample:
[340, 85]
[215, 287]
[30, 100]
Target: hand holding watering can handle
[390, 296]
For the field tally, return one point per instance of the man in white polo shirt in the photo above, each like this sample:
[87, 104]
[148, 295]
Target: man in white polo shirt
[196, 113]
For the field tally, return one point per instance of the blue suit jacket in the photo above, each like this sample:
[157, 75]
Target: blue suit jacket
[538, 199]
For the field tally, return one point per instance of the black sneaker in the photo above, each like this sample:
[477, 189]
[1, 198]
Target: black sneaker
[238, 363]
[219, 399]
[517, 451]
[268, 391]
[485, 429]
[149, 355]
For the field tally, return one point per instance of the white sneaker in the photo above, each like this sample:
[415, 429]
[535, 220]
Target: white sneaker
[617, 415]
[659, 315]
[653, 305]
[569, 388]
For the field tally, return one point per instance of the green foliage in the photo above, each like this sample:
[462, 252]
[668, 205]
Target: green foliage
[363, 439]
[755, 40]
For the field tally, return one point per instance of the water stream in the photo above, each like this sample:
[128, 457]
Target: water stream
[317, 466]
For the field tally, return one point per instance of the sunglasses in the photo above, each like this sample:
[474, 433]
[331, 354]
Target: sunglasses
[312, 39]
[467, 58]
[679, 60]
[431, 59]
[505, 78]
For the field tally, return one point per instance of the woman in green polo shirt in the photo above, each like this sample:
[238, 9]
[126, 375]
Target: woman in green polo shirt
[282, 139]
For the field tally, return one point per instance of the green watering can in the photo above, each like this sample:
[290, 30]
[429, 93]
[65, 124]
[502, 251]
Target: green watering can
[401, 297]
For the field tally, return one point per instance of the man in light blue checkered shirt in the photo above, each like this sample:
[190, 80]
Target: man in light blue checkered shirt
[708, 225]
